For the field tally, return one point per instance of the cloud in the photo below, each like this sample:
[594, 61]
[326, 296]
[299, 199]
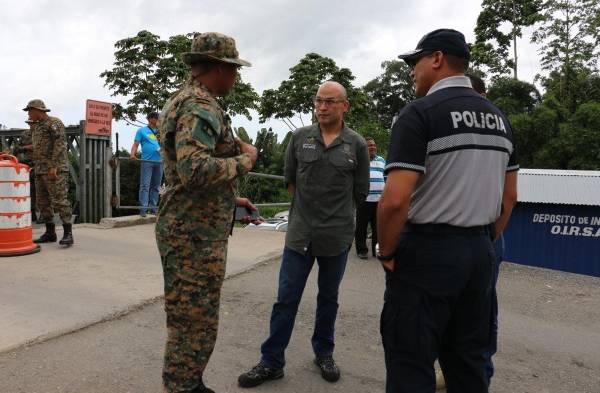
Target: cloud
[55, 50]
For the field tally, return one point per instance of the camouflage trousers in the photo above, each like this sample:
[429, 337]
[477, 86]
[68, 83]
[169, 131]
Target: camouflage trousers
[51, 196]
[193, 275]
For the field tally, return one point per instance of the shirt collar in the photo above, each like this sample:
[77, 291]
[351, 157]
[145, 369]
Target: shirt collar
[344, 135]
[451, 81]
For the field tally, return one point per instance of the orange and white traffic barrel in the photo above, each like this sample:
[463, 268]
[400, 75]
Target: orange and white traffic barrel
[16, 235]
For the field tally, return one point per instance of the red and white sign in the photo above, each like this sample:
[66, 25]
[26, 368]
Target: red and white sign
[98, 118]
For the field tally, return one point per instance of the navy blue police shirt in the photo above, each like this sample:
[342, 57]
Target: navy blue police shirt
[463, 146]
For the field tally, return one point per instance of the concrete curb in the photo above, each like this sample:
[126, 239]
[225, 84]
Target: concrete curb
[126, 221]
[269, 258]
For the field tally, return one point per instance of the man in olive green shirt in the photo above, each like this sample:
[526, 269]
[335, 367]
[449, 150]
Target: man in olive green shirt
[327, 172]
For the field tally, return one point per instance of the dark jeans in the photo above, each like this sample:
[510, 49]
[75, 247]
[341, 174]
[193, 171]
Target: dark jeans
[294, 271]
[151, 174]
[493, 347]
[438, 305]
[366, 214]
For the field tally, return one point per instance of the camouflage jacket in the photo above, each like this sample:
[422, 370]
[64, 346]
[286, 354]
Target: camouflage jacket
[201, 161]
[25, 156]
[49, 145]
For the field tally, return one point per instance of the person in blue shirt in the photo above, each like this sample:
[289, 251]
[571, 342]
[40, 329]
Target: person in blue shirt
[151, 166]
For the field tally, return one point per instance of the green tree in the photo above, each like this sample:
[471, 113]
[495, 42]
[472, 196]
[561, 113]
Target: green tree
[243, 135]
[579, 138]
[492, 44]
[148, 70]
[292, 101]
[513, 96]
[271, 155]
[390, 91]
[584, 86]
[569, 37]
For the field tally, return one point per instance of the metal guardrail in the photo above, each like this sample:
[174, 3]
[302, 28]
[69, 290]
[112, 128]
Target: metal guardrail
[254, 174]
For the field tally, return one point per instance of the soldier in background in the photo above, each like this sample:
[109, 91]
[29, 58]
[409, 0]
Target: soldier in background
[201, 160]
[49, 142]
[25, 151]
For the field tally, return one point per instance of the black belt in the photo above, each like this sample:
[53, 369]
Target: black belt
[445, 229]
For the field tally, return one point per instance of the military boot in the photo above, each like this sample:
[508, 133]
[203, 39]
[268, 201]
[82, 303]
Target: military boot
[49, 236]
[67, 239]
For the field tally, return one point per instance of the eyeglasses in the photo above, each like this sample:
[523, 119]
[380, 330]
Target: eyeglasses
[325, 101]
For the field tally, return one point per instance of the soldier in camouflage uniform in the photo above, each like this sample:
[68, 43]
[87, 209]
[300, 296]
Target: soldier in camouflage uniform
[49, 143]
[25, 154]
[201, 161]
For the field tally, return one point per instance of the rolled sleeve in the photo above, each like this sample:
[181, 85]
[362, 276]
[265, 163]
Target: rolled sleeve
[513, 164]
[291, 164]
[408, 145]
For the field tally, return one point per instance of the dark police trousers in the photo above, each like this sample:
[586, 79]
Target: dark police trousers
[438, 305]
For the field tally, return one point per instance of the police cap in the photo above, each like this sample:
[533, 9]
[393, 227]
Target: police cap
[447, 41]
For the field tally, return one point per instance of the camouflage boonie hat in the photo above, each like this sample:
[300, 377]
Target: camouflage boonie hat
[36, 104]
[213, 46]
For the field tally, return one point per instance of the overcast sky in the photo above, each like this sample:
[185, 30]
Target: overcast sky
[55, 50]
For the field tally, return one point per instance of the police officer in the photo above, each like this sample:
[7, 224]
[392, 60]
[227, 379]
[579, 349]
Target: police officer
[451, 188]
[49, 142]
[201, 161]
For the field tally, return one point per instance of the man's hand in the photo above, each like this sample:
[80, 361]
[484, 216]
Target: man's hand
[52, 174]
[132, 157]
[245, 202]
[389, 265]
[248, 149]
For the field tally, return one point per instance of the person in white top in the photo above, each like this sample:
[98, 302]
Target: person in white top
[366, 213]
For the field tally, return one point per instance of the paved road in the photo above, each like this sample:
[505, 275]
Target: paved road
[550, 340]
[106, 272]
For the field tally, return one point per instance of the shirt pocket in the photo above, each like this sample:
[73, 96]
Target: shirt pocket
[343, 164]
[307, 160]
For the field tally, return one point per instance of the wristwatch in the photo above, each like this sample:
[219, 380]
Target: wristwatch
[382, 257]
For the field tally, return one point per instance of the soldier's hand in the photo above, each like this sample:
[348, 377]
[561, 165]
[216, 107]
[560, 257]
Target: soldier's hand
[258, 221]
[246, 203]
[52, 174]
[248, 219]
[132, 157]
[248, 149]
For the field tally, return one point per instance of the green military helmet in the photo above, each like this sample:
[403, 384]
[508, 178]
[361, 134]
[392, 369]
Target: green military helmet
[36, 104]
[215, 47]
